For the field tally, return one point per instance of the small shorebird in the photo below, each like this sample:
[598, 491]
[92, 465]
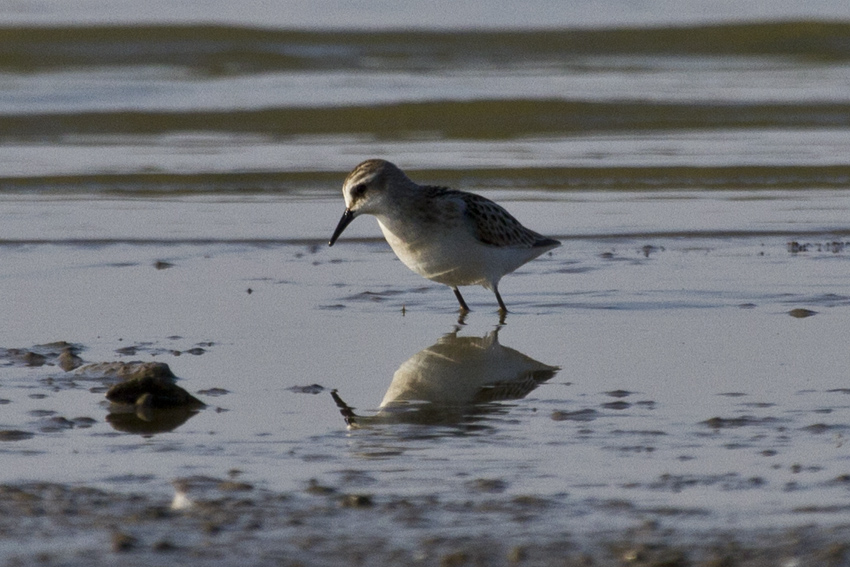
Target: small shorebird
[451, 237]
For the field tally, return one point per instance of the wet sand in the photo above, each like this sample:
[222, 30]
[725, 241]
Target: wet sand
[232, 523]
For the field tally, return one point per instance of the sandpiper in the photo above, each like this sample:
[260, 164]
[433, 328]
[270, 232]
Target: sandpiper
[448, 236]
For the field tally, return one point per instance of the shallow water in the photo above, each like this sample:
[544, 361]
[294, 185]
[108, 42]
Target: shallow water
[682, 374]
[681, 360]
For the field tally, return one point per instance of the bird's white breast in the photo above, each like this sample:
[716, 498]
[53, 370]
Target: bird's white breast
[445, 254]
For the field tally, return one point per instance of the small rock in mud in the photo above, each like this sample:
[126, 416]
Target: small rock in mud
[800, 313]
[83, 422]
[14, 435]
[41, 413]
[356, 501]
[126, 370]
[214, 392]
[123, 542]
[650, 249]
[25, 357]
[152, 391]
[311, 389]
[315, 488]
[54, 424]
[836, 246]
[68, 360]
[818, 428]
[488, 485]
[164, 546]
[580, 415]
[234, 486]
[141, 384]
[189, 492]
[60, 353]
[645, 554]
[724, 423]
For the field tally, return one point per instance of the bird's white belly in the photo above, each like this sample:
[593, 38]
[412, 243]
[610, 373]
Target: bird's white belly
[453, 257]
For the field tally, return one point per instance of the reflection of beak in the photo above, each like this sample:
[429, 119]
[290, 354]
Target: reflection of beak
[346, 410]
[346, 219]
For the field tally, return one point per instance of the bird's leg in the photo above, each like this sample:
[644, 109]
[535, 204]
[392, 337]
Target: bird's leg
[463, 306]
[502, 307]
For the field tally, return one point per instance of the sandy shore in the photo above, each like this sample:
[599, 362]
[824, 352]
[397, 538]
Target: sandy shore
[233, 523]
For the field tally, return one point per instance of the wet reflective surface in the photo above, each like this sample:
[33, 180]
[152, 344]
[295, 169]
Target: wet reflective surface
[673, 370]
[690, 380]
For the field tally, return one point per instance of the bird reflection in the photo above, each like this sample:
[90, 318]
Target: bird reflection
[453, 380]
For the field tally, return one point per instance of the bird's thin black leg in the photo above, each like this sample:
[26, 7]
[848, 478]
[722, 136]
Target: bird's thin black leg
[463, 306]
[502, 306]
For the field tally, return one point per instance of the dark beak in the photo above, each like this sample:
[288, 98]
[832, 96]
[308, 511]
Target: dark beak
[346, 219]
[346, 410]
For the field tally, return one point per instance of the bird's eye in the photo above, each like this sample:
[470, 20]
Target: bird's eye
[358, 190]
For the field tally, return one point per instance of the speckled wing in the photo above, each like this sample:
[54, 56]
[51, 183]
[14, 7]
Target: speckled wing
[497, 227]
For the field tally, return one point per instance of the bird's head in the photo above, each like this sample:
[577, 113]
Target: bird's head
[367, 190]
